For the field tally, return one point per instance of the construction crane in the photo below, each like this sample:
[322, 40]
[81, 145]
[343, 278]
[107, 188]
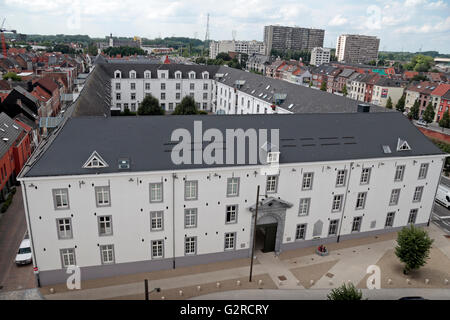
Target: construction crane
[2, 31]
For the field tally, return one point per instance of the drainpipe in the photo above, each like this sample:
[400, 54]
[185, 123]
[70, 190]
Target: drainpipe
[345, 201]
[174, 176]
[27, 211]
[437, 186]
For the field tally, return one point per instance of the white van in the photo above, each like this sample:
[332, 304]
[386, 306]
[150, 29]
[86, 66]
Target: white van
[24, 253]
[443, 196]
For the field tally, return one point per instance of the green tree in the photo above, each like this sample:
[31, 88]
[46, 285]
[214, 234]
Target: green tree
[186, 106]
[428, 114]
[92, 49]
[224, 56]
[344, 90]
[419, 77]
[12, 75]
[345, 292]
[400, 106]
[150, 107]
[323, 86]
[445, 121]
[414, 111]
[389, 103]
[413, 247]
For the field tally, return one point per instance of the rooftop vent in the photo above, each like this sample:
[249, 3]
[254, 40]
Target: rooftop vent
[362, 107]
[5, 139]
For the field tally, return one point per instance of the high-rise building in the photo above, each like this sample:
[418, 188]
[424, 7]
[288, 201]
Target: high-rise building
[294, 38]
[355, 48]
[247, 47]
[320, 56]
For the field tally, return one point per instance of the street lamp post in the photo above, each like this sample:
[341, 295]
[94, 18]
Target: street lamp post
[147, 293]
[254, 234]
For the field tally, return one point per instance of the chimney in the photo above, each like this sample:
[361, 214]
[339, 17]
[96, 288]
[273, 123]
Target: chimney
[29, 86]
[362, 107]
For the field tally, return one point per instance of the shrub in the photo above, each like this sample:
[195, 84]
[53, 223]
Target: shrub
[345, 292]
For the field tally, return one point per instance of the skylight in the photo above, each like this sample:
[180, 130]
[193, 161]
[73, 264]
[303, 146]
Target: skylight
[267, 88]
[15, 127]
[260, 94]
[124, 163]
[386, 149]
[290, 106]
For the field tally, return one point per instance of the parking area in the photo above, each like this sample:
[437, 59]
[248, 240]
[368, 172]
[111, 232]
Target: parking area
[12, 231]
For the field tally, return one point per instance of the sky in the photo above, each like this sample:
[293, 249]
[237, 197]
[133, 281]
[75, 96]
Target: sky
[402, 25]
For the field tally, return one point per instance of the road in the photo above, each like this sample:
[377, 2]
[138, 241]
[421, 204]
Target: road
[12, 229]
[441, 215]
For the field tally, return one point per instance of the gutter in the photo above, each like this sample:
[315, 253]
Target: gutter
[174, 176]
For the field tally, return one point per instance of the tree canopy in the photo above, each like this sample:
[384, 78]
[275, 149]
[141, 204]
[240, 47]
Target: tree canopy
[345, 292]
[150, 107]
[389, 103]
[420, 63]
[186, 106]
[12, 75]
[413, 247]
[445, 121]
[123, 51]
[428, 114]
[400, 106]
[323, 86]
[414, 111]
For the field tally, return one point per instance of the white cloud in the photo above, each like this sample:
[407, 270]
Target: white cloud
[338, 20]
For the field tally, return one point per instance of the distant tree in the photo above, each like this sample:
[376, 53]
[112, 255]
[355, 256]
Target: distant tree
[413, 247]
[372, 63]
[400, 106]
[344, 90]
[12, 75]
[428, 114]
[445, 121]
[345, 292]
[234, 63]
[420, 63]
[419, 77]
[92, 49]
[414, 111]
[186, 106]
[150, 107]
[323, 86]
[389, 103]
[224, 56]
[200, 60]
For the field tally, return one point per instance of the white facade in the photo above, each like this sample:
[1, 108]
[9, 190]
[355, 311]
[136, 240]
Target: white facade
[130, 209]
[381, 94]
[320, 56]
[169, 91]
[247, 47]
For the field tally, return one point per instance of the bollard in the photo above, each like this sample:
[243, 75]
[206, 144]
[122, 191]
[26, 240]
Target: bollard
[330, 283]
[162, 297]
[389, 281]
[408, 281]
[427, 281]
[52, 290]
[199, 288]
[260, 282]
[218, 285]
[311, 282]
[350, 281]
[180, 292]
[280, 282]
[446, 281]
[298, 282]
[238, 283]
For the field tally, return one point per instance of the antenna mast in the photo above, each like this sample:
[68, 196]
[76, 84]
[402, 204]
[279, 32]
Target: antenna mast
[207, 33]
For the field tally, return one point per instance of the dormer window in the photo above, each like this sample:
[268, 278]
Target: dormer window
[205, 75]
[147, 74]
[132, 74]
[192, 75]
[95, 161]
[178, 75]
[273, 157]
[117, 74]
[402, 145]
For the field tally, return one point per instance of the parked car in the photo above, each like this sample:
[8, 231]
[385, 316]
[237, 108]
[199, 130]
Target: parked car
[24, 253]
[422, 123]
[443, 196]
[412, 298]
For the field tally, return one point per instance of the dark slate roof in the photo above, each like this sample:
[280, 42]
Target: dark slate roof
[95, 97]
[8, 132]
[146, 140]
[304, 99]
[386, 82]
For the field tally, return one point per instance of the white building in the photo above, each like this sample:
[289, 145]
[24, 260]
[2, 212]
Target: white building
[247, 47]
[355, 48]
[109, 197]
[320, 56]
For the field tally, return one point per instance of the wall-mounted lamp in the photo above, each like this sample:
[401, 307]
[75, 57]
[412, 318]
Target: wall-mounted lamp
[294, 170]
[32, 185]
[414, 161]
[131, 180]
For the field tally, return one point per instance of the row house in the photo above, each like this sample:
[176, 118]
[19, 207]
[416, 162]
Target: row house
[385, 88]
[444, 105]
[332, 83]
[258, 62]
[370, 86]
[271, 70]
[320, 74]
[48, 91]
[342, 79]
[358, 86]
[437, 95]
[420, 91]
[119, 203]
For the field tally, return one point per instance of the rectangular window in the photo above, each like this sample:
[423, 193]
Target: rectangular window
[418, 194]
[390, 219]
[163, 86]
[107, 253]
[190, 218]
[102, 196]
[340, 179]
[177, 86]
[395, 195]
[304, 206]
[271, 184]
[307, 180]
[356, 225]
[412, 216]
[157, 249]
[190, 245]
[68, 257]
[178, 96]
[191, 86]
[231, 214]
[423, 170]
[163, 96]
[365, 176]
[361, 200]
[117, 85]
[133, 86]
[332, 230]
[133, 96]
[64, 228]
[191, 94]
[105, 225]
[61, 198]
[230, 241]
[300, 232]
[190, 190]
[205, 96]
[133, 107]
[399, 171]
[118, 105]
[156, 194]
[205, 86]
[156, 220]
[337, 203]
[147, 86]
[232, 187]
[170, 105]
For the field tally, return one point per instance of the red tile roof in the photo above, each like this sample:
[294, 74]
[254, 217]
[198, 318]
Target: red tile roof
[441, 89]
[47, 83]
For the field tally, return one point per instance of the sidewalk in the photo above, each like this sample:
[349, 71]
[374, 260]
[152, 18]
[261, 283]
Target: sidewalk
[343, 264]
